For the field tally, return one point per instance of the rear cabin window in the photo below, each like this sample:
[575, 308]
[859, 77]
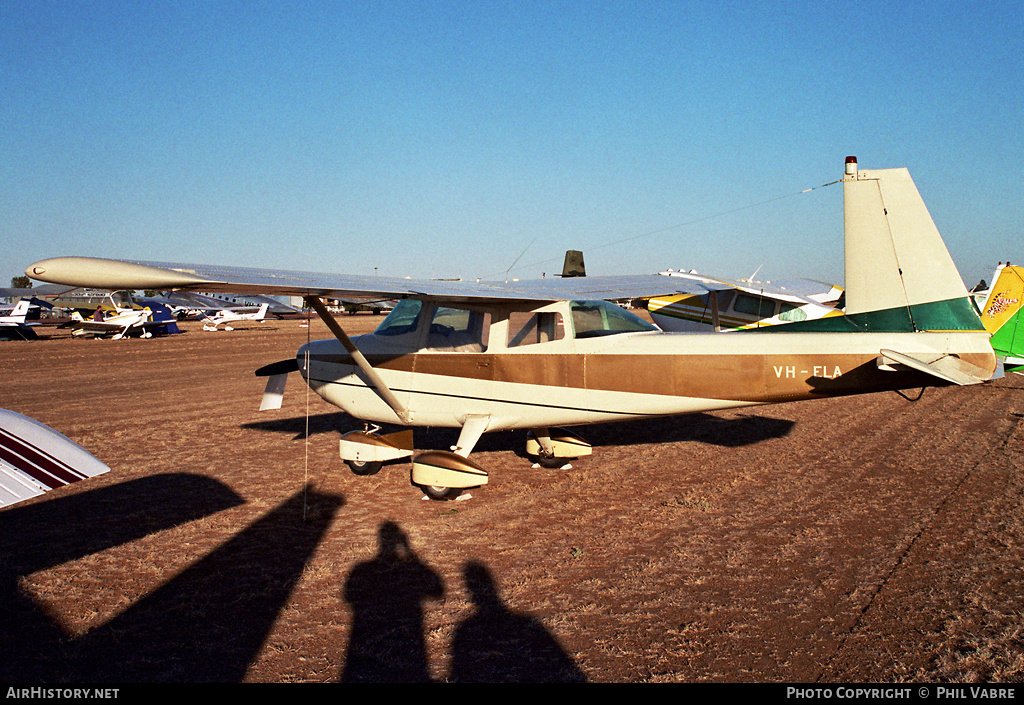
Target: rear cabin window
[791, 313]
[526, 328]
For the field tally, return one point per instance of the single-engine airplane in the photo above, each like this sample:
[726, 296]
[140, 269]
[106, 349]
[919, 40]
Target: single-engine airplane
[537, 355]
[225, 316]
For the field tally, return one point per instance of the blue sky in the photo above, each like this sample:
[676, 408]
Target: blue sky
[451, 138]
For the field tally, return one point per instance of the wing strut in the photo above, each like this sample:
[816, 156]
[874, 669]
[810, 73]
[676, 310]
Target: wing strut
[364, 365]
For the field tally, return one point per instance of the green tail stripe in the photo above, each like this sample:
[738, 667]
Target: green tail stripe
[1009, 339]
[952, 314]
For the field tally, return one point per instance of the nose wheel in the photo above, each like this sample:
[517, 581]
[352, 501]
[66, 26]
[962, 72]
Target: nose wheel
[364, 467]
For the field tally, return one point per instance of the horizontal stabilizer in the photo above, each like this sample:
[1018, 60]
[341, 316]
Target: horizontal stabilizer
[946, 367]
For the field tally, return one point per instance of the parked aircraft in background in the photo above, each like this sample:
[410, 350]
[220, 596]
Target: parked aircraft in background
[354, 306]
[187, 304]
[116, 322]
[225, 316]
[35, 459]
[11, 315]
[483, 356]
[743, 305]
[712, 304]
[1001, 315]
[116, 325]
[13, 324]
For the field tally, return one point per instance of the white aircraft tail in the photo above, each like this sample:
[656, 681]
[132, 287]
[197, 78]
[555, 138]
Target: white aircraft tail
[899, 274]
[18, 313]
[262, 313]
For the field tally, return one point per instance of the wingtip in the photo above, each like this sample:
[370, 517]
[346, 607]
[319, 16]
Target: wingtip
[107, 274]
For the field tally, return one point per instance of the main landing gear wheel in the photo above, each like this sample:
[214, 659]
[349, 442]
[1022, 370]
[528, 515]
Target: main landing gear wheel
[551, 463]
[441, 494]
[364, 467]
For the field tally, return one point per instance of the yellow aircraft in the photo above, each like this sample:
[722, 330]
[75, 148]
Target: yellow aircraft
[1001, 316]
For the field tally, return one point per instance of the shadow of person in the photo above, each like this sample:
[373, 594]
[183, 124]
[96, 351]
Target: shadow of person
[386, 595]
[497, 645]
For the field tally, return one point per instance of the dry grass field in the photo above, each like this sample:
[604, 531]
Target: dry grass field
[860, 539]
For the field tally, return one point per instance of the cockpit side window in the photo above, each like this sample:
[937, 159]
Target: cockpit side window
[458, 329]
[754, 306]
[591, 319]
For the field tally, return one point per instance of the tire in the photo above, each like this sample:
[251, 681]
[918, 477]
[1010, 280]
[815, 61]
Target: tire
[364, 467]
[441, 494]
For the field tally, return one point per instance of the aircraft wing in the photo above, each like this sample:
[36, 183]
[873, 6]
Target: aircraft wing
[92, 326]
[35, 459]
[128, 274]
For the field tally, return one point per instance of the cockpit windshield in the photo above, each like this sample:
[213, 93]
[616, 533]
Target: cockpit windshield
[591, 319]
[404, 318]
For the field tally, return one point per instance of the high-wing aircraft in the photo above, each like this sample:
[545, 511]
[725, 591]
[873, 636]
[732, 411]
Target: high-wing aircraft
[233, 315]
[537, 355]
[723, 305]
[744, 305]
[35, 459]
[1001, 315]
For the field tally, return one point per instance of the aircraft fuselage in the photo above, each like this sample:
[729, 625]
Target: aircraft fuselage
[631, 375]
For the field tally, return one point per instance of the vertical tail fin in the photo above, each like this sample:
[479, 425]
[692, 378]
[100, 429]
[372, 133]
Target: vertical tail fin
[898, 270]
[1005, 298]
[573, 265]
[20, 310]
[1001, 315]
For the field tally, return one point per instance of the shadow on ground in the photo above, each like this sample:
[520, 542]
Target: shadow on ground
[700, 428]
[209, 622]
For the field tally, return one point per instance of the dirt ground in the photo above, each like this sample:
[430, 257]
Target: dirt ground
[847, 540]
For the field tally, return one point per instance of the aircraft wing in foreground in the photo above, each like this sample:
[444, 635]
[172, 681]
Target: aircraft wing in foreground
[35, 459]
[538, 355]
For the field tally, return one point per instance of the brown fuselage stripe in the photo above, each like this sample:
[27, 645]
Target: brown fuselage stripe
[752, 378]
